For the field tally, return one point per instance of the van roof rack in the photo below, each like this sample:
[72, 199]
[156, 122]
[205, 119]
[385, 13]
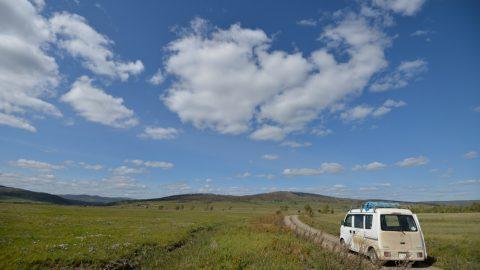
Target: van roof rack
[373, 205]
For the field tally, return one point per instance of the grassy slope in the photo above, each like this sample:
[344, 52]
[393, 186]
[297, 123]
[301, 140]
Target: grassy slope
[231, 236]
[452, 238]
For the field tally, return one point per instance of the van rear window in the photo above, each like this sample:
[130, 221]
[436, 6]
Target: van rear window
[399, 223]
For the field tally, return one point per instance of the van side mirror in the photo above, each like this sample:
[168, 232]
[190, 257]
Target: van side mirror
[342, 223]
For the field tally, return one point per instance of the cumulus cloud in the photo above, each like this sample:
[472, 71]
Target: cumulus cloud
[307, 22]
[404, 7]
[413, 161]
[270, 157]
[95, 105]
[403, 74]
[326, 167]
[80, 40]
[157, 78]
[28, 75]
[229, 80]
[35, 164]
[471, 155]
[159, 133]
[361, 112]
[370, 166]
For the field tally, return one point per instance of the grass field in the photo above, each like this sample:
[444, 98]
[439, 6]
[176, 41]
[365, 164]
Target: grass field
[452, 238]
[154, 235]
[168, 235]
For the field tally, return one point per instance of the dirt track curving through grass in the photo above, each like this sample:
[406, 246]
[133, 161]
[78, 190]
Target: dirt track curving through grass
[331, 242]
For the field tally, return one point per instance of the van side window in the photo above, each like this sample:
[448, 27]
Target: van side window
[368, 221]
[348, 221]
[358, 221]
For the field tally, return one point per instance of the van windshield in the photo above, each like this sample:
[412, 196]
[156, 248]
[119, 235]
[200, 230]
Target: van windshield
[401, 223]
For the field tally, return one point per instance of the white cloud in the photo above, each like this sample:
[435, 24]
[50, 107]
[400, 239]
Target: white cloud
[420, 33]
[468, 182]
[270, 157]
[385, 184]
[158, 164]
[413, 161]
[307, 22]
[157, 78]
[137, 162]
[326, 167]
[176, 187]
[322, 132]
[244, 175]
[294, 144]
[159, 133]
[95, 167]
[16, 122]
[404, 7]
[268, 132]
[476, 109]
[229, 80]
[268, 176]
[370, 166]
[361, 112]
[122, 170]
[34, 164]
[28, 75]
[471, 155]
[403, 74]
[80, 40]
[95, 105]
[152, 164]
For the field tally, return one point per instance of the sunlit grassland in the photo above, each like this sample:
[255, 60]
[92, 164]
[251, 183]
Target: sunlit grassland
[162, 235]
[453, 239]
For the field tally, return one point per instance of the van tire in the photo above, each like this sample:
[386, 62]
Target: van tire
[372, 255]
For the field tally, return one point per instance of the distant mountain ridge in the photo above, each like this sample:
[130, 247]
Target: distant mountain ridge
[21, 195]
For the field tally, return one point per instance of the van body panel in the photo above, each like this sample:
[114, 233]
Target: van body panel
[401, 243]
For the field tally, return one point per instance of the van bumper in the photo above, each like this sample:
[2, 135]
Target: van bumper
[390, 255]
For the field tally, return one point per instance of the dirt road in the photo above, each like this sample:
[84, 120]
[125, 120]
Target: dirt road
[331, 242]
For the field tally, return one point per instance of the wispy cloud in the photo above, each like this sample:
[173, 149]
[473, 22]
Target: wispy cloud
[413, 161]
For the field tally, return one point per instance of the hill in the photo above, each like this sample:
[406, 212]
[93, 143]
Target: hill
[22, 195]
[93, 198]
[278, 196]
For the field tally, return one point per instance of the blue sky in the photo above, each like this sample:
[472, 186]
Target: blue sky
[370, 99]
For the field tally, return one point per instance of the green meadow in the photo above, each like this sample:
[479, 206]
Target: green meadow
[221, 235]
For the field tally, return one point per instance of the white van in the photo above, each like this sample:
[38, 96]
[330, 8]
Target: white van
[383, 232]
